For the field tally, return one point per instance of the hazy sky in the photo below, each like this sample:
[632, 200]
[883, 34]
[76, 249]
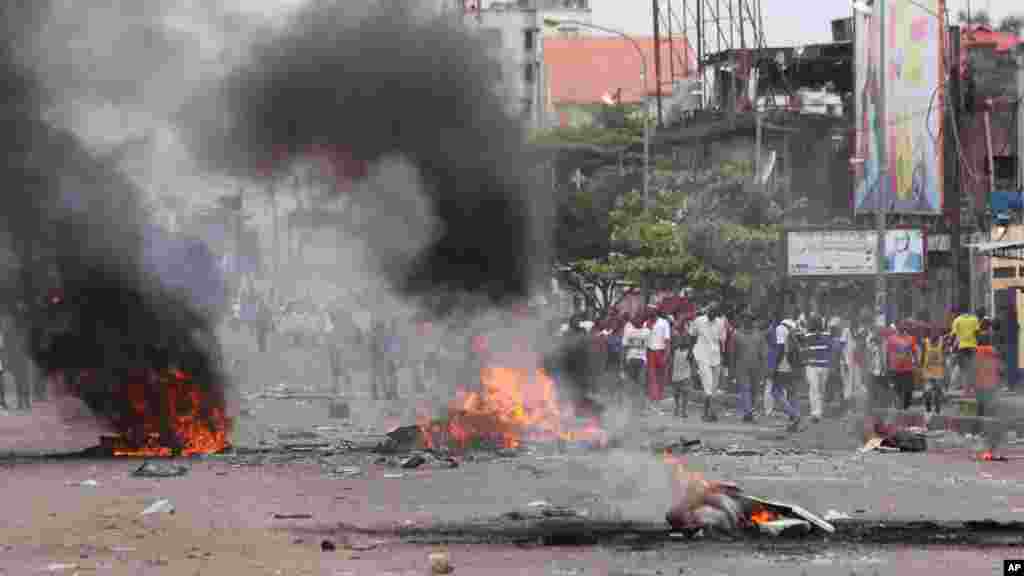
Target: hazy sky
[787, 22]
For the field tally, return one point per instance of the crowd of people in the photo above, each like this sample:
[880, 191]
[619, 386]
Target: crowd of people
[843, 360]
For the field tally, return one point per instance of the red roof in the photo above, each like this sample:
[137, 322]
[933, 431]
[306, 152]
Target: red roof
[583, 69]
[985, 36]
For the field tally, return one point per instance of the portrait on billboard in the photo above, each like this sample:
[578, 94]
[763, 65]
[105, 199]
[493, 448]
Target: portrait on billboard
[904, 252]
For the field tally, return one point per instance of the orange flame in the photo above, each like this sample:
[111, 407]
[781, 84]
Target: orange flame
[198, 434]
[986, 456]
[515, 404]
[763, 516]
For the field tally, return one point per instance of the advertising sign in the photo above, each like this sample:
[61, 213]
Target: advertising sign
[912, 129]
[904, 251]
[832, 252]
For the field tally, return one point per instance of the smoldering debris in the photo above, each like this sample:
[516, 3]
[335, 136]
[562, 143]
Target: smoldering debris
[360, 82]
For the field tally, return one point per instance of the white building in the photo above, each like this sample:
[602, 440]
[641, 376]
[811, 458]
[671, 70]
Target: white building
[514, 30]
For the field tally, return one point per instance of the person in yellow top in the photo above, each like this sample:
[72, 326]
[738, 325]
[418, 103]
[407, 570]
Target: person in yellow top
[934, 368]
[965, 329]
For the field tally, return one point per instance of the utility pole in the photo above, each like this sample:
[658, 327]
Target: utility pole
[657, 57]
[1020, 117]
[881, 306]
[953, 193]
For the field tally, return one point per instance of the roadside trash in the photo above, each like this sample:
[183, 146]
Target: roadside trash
[328, 546]
[61, 567]
[84, 484]
[539, 504]
[785, 527]
[159, 507]
[440, 563]
[394, 476]
[293, 516]
[160, 470]
[339, 411]
[362, 547]
[350, 471]
[835, 515]
[897, 441]
[414, 461]
[401, 439]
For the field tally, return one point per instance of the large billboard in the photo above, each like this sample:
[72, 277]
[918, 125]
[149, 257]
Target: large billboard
[912, 129]
[831, 252]
[852, 252]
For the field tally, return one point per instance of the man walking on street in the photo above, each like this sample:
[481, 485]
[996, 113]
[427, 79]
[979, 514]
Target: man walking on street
[818, 355]
[634, 340]
[658, 343]
[965, 329]
[787, 351]
[748, 358]
[902, 353]
[709, 330]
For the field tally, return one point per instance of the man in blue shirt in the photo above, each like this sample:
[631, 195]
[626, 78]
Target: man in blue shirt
[818, 344]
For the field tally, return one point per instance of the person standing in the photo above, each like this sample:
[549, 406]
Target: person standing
[934, 366]
[709, 331]
[851, 363]
[787, 350]
[682, 373]
[902, 353]
[818, 348]
[658, 343]
[748, 360]
[965, 329]
[634, 346]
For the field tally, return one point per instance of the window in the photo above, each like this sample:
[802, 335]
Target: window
[529, 40]
[529, 72]
[1004, 272]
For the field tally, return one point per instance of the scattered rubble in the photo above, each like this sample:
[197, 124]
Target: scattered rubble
[328, 546]
[440, 562]
[163, 506]
[151, 469]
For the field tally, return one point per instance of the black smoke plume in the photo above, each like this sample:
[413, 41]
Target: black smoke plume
[84, 299]
[371, 81]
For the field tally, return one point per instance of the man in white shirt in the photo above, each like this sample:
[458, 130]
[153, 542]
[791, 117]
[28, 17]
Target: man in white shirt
[709, 330]
[634, 350]
[657, 357]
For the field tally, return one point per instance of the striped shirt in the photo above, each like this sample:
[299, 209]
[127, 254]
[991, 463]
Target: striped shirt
[818, 349]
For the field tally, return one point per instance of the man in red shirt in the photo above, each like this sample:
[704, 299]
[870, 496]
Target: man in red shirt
[902, 353]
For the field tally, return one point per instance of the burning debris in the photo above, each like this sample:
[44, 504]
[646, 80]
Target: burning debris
[514, 405]
[706, 505]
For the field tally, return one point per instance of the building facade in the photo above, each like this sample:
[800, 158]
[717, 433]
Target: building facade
[514, 34]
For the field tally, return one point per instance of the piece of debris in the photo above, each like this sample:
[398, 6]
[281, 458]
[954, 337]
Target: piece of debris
[440, 562]
[84, 484]
[394, 476]
[349, 471]
[363, 547]
[559, 512]
[792, 511]
[835, 515]
[151, 469]
[339, 411]
[293, 516]
[159, 507]
[328, 546]
[61, 567]
[785, 527]
[742, 452]
[871, 445]
[539, 504]
[414, 461]
[402, 439]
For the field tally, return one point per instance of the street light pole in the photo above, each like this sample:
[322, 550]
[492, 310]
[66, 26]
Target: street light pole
[553, 23]
[881, 303]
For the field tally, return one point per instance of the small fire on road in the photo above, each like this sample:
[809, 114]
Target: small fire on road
[514, 405]
[194, 421]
